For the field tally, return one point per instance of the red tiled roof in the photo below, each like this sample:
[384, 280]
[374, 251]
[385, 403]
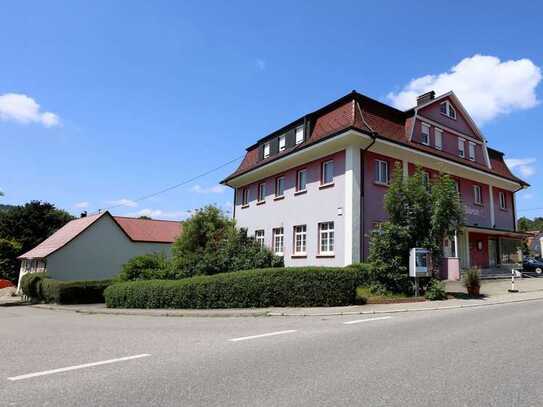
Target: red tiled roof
[61, 237]
[147, 230]
[137, 230]
[387, 123]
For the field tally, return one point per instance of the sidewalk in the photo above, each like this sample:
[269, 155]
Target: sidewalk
[495, 292]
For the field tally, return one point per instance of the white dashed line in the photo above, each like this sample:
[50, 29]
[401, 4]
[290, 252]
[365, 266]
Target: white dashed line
[357, 321]
[67, 369]
[245, 338]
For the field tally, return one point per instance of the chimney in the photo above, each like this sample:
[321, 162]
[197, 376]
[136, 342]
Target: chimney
[83, 214]
[425, 97]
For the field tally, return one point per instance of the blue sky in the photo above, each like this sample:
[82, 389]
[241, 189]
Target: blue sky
[136, 96]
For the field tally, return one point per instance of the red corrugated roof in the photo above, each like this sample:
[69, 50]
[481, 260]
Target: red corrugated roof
[147, 230]
[137, 230]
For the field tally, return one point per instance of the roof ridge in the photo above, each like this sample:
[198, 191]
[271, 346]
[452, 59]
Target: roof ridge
[153, 220]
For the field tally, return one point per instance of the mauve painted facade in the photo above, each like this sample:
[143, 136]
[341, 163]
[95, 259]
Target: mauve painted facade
[367, 132]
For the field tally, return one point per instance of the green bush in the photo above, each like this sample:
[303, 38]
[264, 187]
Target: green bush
[152, 266]
[211, 244]
[40, 287]
[295, 287]
[31, 284]
[73, 292]
[436, 291]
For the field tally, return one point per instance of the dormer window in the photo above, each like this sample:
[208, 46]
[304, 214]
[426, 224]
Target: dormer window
[267, 148]
[282, 142]
[299, 134]
[425, 134]
[448, 110]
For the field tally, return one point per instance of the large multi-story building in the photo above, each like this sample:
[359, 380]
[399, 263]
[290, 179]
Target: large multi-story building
[313, 190]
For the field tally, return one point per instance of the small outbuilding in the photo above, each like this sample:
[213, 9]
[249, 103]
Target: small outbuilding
[95, 247]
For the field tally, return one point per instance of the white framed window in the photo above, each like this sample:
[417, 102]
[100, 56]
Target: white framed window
[461, 147]
[503, 203]
[301, 180]
[282, 142]
[425, 134]
[477, 196]
[279, 186]
[245, 196]
[259, 237]
[299, 134]
[267, 148]
[447, 109]
[261, 192]
[457, 186]
[471, 151]
[300, 239]
[327, 176]
[381, 172]
[326, 238]
[438, 138]
[278, 241]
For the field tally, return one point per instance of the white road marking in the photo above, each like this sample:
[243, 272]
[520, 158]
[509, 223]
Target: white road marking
[66, 369]
[245, 338]
[357, 321]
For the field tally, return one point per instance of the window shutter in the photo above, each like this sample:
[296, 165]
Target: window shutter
[274, 146]
[291, 138]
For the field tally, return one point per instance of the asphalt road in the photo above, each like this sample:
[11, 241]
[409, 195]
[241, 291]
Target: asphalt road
[487, 356]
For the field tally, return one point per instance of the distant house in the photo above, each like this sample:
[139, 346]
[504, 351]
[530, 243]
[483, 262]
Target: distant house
[95, 247]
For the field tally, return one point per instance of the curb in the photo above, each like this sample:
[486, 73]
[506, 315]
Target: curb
[397, 311]
[264, 312]
[154, 313]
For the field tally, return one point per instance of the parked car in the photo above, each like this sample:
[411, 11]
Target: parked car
[532, 265]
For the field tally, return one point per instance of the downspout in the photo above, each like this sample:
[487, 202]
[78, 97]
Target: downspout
[362, 190]
[373, 135]
[515, 208]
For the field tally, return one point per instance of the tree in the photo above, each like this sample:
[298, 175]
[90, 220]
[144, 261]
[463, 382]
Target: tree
[211, 244]
[9, 266]
[25, 227]
[525, 224]
[420, 215]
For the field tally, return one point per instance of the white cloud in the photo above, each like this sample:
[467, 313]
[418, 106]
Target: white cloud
[485, 85]
[215, 189]
[260, 64]
[123, 202]
[82, 205]
[160, 214]
[23, 109]
[524, 166]
[527, 195]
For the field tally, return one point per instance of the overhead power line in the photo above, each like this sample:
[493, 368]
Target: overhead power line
[188, 181]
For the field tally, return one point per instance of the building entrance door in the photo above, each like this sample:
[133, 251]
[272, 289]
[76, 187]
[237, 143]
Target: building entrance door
[492, 252]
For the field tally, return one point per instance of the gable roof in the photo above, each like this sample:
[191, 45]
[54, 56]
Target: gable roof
[137, 230]
[150, 230]
[355, 111]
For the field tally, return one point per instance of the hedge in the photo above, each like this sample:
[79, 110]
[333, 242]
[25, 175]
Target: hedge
[41, 288]
[30, 284]
[285, 287]
[73, 292]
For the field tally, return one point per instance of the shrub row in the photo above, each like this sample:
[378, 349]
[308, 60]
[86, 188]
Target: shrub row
[41, 288]
[295, 287]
